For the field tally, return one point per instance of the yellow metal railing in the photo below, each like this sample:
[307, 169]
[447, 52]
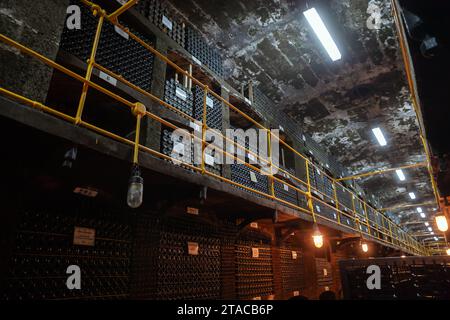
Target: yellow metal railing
[378, 227]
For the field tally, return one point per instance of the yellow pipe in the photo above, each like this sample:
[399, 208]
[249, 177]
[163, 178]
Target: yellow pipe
[204, 125]
[136, 141]
[122, 9]
[377, 172]
[90, 68]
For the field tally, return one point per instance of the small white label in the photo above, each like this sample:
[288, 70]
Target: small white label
[181, 94]
[193, 211]
[334, 215]
[327, 166]
[296, 293]
[255, 252]
[257, 298]
[248, 101]
[325, 272]
[281, 128]
[294, 255]
[167, 22]
[108, 78]
[196, 61]
[311, 152]
[209, 102]
[84, 236]
[209, 160]
[251, 157]
[327, 288]
[318, 171]
[286, 187]
[195, 126]
[318, 208]
[303, 137]
[121, 32]
[253, 177]
[254, 225]
[193, 248]
[86, 192]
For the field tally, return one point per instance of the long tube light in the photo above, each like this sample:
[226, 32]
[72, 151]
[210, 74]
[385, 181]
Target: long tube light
[412, 195]
[322, 33]
[380, 137]
[400, 174]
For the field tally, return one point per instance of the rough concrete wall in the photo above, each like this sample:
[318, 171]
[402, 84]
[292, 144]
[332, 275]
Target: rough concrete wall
[38, 25]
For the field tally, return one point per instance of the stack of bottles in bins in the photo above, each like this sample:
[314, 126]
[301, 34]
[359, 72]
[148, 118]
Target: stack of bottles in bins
[408, 278]
[117, 51]
[159, 14]
[292, 271]
[284, 191]
[254, 271]
[213, 107]
[45, 249]
[179, 97]
[207, 55]
[324, 274]
[171, 144]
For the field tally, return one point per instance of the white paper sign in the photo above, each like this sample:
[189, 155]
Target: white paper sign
[254, 225]
[303, 137]
[248, 101]
[209, 102]
[294, 255]
[318, 208]
[325, 272]
[251, 157]
[296, 293]
[286, 187]
[193, 211]
[255, 252]
[253, 177]
[193, 248]
[167, 22]
[121, 32]
[257, 298]
[84, 236]
[108, 78]
[281, 128]
[181, 94]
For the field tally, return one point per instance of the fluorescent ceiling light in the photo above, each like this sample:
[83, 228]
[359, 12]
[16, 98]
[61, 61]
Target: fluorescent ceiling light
[422, 214]
[412, 195]
[427, 224]
[400, 175]
[322, 33]
[419, 210]
[380, 137]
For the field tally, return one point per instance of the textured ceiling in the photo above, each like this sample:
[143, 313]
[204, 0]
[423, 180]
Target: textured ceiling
[337, 103]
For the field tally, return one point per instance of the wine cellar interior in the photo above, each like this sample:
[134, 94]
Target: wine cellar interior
[224, 150]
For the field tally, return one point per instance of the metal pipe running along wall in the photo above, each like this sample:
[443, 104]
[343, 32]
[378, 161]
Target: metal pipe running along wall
[392, 234]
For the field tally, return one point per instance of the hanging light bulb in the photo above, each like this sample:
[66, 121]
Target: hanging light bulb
[135, 188]
[442, 224]
[364, 247]
[317, 236]
[448, 251]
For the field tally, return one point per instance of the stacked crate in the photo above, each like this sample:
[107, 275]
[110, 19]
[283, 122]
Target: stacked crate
[254, 274]
[324, 272]
[45, 249]
[198, 48]
[117, 51]
[213, 107]
[250, 178]
[284, 191]
[179, 97]
[292, 272]
[158, 13]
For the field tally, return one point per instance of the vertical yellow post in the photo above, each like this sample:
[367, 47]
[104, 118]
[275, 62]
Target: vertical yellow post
[355, 214]
[204, 127]
[309, 195]
[139, 111]
[90, 68]
[367, 218]
[390, 231]
[269, 154]
[336, 200]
